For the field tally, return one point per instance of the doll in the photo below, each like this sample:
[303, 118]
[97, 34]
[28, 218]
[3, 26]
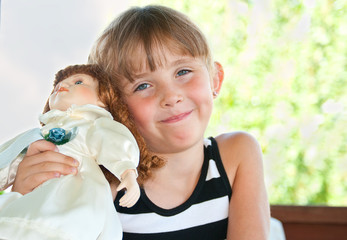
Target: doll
[78, 118]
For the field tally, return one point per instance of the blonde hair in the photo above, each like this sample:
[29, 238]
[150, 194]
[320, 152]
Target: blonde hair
[149, 29]
[109, 94]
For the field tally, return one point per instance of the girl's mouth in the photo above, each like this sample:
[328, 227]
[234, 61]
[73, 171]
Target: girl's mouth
[177, 118]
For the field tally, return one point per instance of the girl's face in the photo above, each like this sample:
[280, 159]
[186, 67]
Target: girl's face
[77, 89]
[172, 105]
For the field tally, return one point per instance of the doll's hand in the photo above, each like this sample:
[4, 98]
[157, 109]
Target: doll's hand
[41, 163]
[132, 189]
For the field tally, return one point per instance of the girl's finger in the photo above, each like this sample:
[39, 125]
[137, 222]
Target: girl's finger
[36, 169]
[40, 146]
[48, 157]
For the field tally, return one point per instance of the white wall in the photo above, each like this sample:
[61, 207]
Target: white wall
[38, 38]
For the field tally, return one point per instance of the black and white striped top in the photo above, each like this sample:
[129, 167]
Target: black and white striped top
[203, 216]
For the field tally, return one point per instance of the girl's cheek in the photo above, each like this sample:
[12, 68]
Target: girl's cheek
[137, 113]
[141, 111]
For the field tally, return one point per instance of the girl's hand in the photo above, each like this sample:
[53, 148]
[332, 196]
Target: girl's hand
[41, 163]
[132, 189]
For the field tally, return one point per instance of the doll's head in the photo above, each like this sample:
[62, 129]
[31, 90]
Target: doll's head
[92, 85]
[78, 89]
[81, 84]
[148, 31]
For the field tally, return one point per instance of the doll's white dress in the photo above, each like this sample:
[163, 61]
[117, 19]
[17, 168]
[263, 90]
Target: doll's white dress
[73, 206]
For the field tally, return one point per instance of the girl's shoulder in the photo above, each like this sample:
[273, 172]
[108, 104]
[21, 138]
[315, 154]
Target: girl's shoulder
[237, 142]
[238, 149]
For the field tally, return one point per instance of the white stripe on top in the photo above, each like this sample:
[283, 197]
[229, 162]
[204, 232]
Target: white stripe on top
[203, 213]
[212, 170]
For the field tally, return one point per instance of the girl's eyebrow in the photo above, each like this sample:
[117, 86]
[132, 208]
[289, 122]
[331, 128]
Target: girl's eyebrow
[139, 76]
[182, 60]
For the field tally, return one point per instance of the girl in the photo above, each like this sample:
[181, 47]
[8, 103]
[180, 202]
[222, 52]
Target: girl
[76, 120]
[209, 188]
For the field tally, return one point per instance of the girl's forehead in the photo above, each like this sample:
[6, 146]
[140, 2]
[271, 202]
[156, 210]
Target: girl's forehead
[149, 60]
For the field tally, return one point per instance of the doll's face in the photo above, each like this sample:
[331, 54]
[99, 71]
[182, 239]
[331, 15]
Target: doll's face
[78, 89]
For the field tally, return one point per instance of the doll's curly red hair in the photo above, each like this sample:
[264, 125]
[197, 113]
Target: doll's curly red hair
[110, 94]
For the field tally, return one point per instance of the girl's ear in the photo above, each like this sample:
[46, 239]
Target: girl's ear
[218, 78]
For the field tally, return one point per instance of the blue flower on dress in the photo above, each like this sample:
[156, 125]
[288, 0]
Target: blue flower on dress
[59, 136]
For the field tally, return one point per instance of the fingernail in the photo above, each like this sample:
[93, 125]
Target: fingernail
[75, 162]
[74, 170]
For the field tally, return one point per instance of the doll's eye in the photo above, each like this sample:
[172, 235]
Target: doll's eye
[183, 72]
[78, 82]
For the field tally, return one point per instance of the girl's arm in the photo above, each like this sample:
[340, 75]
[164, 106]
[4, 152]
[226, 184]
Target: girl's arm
[249, 212]
[41, 163]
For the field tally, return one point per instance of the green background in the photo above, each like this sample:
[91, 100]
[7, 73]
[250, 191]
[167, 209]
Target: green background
[285, 83]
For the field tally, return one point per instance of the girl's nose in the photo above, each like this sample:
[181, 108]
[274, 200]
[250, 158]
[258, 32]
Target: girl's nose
[171, 97]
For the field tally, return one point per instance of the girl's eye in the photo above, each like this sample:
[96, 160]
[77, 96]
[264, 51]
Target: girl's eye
[183, 72]
[78, 82]
[142, 86]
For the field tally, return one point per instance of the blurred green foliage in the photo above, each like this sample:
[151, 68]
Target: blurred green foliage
[285, 83]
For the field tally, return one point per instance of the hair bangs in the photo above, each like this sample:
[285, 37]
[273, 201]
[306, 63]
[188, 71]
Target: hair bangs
[136, 40]
[150, 55]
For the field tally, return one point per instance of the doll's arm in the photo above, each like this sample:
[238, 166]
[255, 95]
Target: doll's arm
[113, 146]
[128, 181]
[116, 149]
[12, 153]
[8, 173]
